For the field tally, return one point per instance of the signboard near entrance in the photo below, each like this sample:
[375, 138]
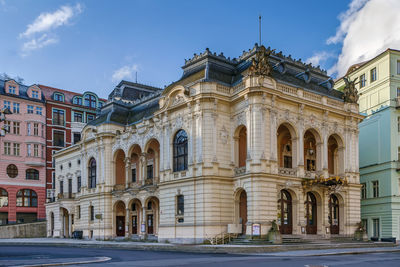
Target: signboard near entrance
[256, 229]
[143, 228]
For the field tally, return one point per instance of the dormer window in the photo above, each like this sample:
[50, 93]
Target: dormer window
[58, 97]
[90, 101]
[100, 105]
[77, 100]
[35, 94]
[12, 89]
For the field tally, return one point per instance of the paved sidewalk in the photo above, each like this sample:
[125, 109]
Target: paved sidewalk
[270, 250]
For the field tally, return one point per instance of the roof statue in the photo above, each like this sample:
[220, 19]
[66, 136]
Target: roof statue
[350, 93]
[260, 64]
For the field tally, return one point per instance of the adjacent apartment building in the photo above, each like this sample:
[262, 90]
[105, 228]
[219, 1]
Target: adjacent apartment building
[22, 154]
[66, 115]
[231, 147]
[379, 87]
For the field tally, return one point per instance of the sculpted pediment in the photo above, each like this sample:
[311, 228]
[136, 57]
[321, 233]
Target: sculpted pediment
[176, 96]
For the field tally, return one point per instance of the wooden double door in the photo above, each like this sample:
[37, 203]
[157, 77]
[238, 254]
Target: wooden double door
[311, 214]
[243, 211]
[285, 217]
[334, 214]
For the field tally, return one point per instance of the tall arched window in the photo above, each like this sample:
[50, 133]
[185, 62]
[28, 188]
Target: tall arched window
[32, 174]
[26, 198]
[3, 198]
[242, 147]
[92, 173]
[180, 151]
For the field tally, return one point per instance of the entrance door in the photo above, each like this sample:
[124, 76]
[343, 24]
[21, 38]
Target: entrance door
[134, 225]
[334, 214]
[285, 213]
[150, 222]
[120, 226]
[311, 214]
[243, 211]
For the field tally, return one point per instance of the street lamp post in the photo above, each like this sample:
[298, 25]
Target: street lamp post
[5, 129]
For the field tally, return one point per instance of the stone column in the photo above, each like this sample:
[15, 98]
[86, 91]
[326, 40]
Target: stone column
[273, 136]
[143, 222]
[127, 222]
[143, 165]
[127, 171]
[69, 225]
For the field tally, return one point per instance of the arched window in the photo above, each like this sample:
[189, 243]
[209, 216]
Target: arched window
[180, 151]
[90, 101]
[92, 173]
[77, 100]
[26, 198]
[32, 174]
[3, 198]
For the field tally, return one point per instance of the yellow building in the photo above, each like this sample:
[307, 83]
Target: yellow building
[232, 146]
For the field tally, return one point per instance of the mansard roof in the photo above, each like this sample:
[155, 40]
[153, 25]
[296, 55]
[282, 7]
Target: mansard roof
[209, 66]
[126, 108]
[23, 91]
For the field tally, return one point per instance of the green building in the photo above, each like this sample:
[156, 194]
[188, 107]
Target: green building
[379, 141]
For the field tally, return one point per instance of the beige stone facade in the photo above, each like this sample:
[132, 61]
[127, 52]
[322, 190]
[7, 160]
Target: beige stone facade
[256, 151]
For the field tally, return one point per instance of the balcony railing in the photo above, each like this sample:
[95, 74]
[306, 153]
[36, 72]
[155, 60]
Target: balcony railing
[67, 195]
[287, 171]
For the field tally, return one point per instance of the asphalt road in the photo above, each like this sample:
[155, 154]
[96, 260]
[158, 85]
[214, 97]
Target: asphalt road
[32, 255]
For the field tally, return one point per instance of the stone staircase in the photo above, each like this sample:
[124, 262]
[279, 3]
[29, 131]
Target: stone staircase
[242, 240]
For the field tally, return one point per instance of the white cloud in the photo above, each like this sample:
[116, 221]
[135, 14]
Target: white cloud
[125, 72]
[319, 57]
[37, 43]
[48, 21]
[367, 28]
[39, 32]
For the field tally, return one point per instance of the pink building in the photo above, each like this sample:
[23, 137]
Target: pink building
[22, 154]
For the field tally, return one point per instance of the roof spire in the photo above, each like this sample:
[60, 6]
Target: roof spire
[259, 27]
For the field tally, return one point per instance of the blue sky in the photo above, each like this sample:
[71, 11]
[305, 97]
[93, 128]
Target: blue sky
[90, 45]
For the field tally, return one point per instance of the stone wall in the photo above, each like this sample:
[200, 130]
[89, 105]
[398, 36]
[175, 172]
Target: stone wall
[25, 230]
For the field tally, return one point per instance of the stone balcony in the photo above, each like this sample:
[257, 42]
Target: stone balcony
[66, 196]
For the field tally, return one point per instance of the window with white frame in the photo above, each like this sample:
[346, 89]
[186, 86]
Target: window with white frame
[7, 104]
[362, 81]
[28, 150]
[36, 129]
[11, 89]
[7, 148]
[28, 129]
[375, 188]
[16, 149]
[30, 109]
[15, 108]
[58, 97]
[36, 150]
[39, 110]
[373, 75]
[16, 127]
[35, 94]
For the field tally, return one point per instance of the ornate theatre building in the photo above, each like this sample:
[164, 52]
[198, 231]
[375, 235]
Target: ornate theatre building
[232, 146]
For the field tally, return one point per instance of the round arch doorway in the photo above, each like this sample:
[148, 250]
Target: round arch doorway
[334, 214]
[311, 214]
[285, 221]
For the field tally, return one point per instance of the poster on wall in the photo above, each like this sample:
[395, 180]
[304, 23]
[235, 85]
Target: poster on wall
[143, 228]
